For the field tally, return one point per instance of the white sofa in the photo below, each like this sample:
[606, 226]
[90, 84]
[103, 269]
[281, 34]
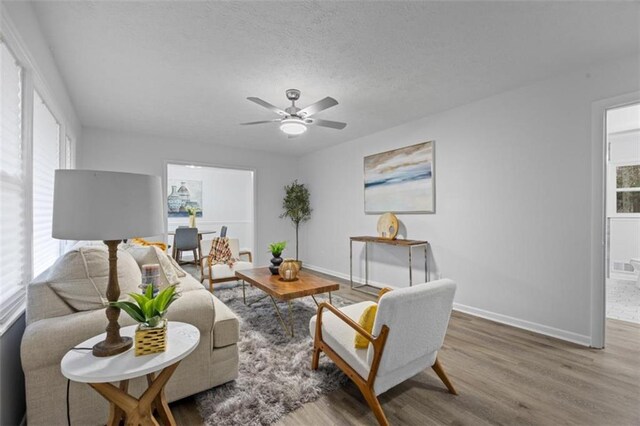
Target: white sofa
[54, 326]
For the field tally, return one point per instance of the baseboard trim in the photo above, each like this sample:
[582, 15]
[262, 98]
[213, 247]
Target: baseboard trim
[357, 280]
[546, 330]
[557, 333]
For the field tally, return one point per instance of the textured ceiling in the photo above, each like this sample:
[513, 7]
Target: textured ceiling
[183, 69]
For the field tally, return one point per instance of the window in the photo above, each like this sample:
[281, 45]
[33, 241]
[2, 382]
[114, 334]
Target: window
[46, 159]
[628, 189]
[12, 186]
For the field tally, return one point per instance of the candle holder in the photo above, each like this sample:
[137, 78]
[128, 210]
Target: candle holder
[288, 270]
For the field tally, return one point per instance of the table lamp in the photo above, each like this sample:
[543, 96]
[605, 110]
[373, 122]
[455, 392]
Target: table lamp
[107, 206]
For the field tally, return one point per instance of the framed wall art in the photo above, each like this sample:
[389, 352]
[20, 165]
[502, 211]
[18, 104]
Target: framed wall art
[401, 180]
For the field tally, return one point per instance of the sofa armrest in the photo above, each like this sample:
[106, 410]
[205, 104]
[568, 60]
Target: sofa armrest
[46, 341]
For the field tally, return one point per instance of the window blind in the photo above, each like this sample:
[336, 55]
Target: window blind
[46, 159]
[12, 186]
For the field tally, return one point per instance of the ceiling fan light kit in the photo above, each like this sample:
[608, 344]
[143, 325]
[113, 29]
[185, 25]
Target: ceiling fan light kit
[293, 126]
[295, 121]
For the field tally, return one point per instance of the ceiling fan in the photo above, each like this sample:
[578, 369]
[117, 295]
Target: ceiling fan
[293, 120]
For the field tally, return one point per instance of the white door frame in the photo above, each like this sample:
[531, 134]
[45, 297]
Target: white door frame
[598, 211]
[217, 166]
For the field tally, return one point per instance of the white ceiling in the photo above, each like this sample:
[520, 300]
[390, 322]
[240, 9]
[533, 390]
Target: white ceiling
[183, 69]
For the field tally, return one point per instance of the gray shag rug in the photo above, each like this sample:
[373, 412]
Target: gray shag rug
[275, 374]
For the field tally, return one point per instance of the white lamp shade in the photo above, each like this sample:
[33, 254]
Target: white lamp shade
[100, 205]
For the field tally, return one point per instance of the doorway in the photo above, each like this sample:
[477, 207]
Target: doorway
[622, 213]
[220, 196]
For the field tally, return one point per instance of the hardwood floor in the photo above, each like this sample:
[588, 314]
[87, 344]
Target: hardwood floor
[504, 375]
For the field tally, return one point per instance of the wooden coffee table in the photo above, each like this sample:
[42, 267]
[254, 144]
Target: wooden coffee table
[306, 285]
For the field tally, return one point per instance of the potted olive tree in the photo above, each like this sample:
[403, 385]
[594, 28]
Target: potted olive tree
[297, 207]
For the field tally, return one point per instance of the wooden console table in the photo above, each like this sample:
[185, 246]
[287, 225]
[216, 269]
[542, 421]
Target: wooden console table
[410, 244]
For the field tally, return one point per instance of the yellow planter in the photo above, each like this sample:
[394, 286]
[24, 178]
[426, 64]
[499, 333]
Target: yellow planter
[151, 340]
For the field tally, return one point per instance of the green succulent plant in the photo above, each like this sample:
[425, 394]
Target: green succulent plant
[277, 248]
[149, 310]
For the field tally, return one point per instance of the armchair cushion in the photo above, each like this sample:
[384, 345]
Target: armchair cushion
[339, 336]
[227, 271]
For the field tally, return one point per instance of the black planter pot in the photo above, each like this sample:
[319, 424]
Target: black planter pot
[276, 261]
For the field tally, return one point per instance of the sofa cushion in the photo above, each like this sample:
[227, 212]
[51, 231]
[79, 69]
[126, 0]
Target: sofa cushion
[226, 329]
[80, 277]
[152, 254]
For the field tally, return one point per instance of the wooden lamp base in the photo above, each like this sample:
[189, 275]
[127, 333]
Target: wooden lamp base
[113, 344]
[105, 348]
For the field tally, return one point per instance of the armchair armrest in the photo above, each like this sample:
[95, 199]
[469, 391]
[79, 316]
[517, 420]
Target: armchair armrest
[245, 252]
[337, 312]
[378, 342]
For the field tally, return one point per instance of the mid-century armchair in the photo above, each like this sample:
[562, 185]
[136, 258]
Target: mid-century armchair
[222, 273]
[409, 329]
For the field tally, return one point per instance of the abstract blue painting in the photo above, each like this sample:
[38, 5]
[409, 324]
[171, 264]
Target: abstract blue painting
[401, 180]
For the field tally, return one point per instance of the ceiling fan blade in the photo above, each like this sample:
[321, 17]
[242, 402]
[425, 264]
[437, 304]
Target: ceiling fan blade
[267, 105]
[328, 123]
[321, 105]
[260, 122]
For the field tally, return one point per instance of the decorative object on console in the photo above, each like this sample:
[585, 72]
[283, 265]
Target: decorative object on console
[276, 250]
[294, 121]
[90, 205]
[401, 180]
[388, 226]
[188, 194]
[149, 311]
[297, 207]
[288, 270]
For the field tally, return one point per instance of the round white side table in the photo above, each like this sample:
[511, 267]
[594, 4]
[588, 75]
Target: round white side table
[99, 372]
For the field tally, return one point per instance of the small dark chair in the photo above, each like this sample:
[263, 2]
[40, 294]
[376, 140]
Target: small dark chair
[186, 239]
[223, 232]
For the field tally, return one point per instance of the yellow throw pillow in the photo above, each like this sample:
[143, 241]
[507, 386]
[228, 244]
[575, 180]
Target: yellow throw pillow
[366, 322]
[383, 291]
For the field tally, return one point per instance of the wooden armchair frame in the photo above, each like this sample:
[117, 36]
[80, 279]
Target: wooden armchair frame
[378, 343]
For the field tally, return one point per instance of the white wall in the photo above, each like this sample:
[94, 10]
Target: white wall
[227, 199]
[107, 150]
[513, 198]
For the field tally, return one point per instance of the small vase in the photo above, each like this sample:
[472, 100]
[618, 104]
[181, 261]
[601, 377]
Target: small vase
[275, 264]
[192, 221]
